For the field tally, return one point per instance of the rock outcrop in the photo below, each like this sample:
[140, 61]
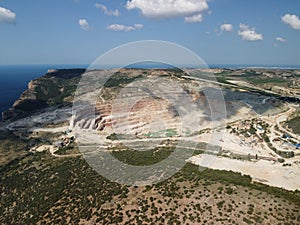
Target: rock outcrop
[54, 88]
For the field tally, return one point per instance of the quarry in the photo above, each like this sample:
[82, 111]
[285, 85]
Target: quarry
[153, 146]
[252, 138]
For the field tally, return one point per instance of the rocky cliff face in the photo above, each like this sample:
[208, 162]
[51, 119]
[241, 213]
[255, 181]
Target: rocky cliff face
[54, 88]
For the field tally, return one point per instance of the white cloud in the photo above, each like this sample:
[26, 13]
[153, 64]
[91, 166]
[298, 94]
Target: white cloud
[138, 26]
[291, 20]
[7, 16]
[226, 27]
[84, 24]
[249, 34]
[280, 39]
[106, 11]
[193, 19]
[190, 9]
[121, 27]
[244, 26]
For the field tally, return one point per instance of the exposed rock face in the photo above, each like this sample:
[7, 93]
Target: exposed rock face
[143, 103]
[54, 88]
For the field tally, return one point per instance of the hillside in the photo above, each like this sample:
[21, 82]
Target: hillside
[54, 88]
[58, 138]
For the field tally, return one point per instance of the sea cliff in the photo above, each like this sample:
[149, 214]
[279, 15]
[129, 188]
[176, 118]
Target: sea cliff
[56, 87]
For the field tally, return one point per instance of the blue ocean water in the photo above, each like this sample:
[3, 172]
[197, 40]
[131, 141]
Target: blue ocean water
[14, 80]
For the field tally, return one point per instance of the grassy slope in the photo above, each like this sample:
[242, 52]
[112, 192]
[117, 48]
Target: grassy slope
[39, 187]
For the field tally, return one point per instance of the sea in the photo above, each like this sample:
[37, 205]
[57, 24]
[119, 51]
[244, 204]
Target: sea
[14, 78]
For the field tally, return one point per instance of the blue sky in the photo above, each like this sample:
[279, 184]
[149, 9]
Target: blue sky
[254, 32]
